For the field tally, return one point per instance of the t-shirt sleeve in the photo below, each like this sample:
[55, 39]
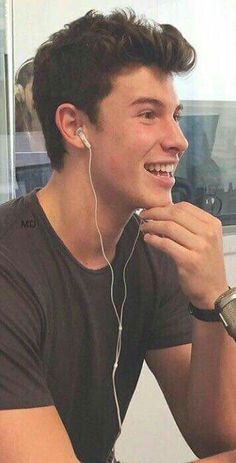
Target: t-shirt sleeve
[22, 380]
[170, 323]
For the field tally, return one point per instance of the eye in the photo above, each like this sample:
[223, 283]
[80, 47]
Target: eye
[148, 115]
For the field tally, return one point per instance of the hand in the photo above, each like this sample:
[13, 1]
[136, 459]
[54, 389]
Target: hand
[193, 238]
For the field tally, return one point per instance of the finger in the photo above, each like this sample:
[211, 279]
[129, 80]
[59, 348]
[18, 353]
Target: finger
[182, 209]
[181, 215]
[171, 230]
[178, 253]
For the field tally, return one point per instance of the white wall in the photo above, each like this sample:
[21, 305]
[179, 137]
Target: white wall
[149, 434]
[36, 20]
[210, 27]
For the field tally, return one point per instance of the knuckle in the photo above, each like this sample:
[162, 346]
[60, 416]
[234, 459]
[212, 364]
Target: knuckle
[213, 228]
[218, 224]
[176, 211]
[215, 222]
[204, 247]
[210, 233]
[168, 226]
[180, 206]
[163, 244]
[192, 264]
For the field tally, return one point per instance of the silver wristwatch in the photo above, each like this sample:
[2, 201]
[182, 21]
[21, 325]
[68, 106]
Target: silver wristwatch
[225, 305]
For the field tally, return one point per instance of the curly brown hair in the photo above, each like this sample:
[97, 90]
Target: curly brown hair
[76, 65]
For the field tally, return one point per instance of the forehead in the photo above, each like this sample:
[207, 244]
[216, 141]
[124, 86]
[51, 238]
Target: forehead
[143, 82]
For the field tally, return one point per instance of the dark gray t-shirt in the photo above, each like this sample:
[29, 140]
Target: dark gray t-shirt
[58, 328]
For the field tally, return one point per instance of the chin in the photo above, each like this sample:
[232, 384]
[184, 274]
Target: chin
[159, 200]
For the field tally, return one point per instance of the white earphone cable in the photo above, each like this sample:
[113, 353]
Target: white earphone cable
[119, 318]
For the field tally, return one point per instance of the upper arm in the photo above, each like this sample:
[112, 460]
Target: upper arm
[23, 381]
[170, 367]
[34, 435]
[31, 430]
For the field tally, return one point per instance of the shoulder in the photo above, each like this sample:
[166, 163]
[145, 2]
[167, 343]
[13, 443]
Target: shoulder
[16, 217]
[9, 214]
[16, 214]
[18, 251]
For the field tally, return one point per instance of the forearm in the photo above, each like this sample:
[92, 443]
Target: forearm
[226, 457]
[194, 239]
[211, 404]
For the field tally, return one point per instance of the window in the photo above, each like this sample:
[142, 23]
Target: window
[6, 111]
[206, 175]
[31, 161]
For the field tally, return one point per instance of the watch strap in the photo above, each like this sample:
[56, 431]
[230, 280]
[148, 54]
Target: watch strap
[204, 315]
[208, 315]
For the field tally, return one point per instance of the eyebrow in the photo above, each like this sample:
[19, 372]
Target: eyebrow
[154, 101]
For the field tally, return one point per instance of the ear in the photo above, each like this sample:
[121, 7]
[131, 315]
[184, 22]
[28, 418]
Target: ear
[68, 118]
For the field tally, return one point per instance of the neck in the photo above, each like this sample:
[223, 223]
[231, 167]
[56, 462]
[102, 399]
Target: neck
[69, 205]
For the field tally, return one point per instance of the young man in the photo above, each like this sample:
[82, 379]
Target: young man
[72, 341]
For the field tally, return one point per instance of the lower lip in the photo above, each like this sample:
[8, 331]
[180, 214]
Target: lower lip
[163, 180]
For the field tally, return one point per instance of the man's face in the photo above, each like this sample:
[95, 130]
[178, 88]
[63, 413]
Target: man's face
[139, 130]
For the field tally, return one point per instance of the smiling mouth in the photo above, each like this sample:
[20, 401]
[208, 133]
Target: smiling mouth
[161, 169]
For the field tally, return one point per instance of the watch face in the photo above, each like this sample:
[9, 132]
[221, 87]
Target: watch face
[225, 299]
[228, 317]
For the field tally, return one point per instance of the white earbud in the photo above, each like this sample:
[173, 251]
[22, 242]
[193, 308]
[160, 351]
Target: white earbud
[80, 133]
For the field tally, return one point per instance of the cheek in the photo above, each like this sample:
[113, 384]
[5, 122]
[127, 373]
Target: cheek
[148, 136]
[125, 149]
[143, 137]
[130, 152]
[118, 165]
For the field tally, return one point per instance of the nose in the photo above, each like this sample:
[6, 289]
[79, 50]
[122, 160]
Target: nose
[173, 140]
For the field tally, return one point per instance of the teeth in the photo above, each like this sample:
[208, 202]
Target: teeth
[163, 167]
[152, 167]
[169, 168]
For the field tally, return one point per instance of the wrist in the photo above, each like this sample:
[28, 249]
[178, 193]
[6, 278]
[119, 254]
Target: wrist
[210, 299]
[224, 311]
[210, 312]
